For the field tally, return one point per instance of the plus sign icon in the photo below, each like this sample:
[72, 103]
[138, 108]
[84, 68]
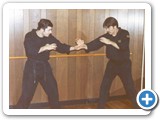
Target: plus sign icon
[147, 99]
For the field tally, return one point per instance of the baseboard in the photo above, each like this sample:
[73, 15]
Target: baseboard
[70, 102]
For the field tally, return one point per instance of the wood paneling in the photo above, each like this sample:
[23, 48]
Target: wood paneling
[62, 64]
[77, 77]
[72, 34]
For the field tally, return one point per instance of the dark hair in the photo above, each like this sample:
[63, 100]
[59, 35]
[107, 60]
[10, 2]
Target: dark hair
[110, 21]
[44, 23]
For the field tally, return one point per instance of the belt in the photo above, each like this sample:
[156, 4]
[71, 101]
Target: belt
[34, 62]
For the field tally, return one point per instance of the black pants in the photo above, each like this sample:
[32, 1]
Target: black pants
[123, 70]
[34, 72]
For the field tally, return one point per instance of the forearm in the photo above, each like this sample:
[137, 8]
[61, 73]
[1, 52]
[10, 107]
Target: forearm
[109, 42]
[94, 45]
[79, 47]
[52, 46]
[84, 46]
[42, 49]
[72, 48]
[114, 45]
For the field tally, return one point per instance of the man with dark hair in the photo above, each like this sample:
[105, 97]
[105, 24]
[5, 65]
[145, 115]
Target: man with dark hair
[116, 41]
[38, 43]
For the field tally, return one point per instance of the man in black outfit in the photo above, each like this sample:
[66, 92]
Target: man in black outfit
[38, 43]
[116, 41]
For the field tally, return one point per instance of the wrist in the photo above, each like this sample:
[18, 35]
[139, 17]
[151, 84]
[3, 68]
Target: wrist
[41, 49]
[85, 47]
[72, 48]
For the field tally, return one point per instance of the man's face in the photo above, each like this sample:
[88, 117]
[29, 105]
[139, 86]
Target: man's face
[110, 30]
[47, 31]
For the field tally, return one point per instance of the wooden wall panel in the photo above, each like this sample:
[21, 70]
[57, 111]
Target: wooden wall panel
[11, 33]
[138, 33]
[26, 24]
[82, 62]
[18, 30]
[72, 34]
[15, 83]
[34, 17]
[62, 63]
[77, 77]
[78, 60]
[52, 15]
[98, 68]
[90, 83]
[11, 66]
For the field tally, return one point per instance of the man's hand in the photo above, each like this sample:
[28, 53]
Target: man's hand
[80, 44]
[52, 46]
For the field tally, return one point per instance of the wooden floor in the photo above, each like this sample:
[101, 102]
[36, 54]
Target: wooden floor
[115, 104]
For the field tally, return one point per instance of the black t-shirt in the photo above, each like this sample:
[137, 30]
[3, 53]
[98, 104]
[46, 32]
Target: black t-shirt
[33, 43]
[114, 54]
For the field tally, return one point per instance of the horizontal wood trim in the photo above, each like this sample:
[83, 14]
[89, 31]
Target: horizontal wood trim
[60, 56]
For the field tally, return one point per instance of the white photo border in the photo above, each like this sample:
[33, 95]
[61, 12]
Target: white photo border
[147, 49]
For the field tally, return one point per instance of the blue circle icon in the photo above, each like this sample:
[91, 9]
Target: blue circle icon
[147, 99]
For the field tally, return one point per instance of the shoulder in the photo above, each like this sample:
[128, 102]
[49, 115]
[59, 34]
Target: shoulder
[51, 36]
[123, 31]
[106, 35]
[30, 34]
[52, 39]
